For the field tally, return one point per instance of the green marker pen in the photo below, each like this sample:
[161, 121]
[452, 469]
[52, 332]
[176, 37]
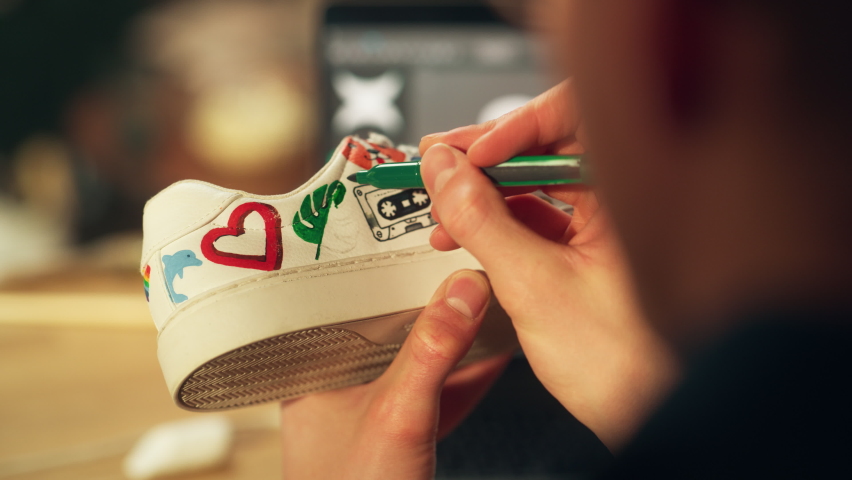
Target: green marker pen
[516, 172]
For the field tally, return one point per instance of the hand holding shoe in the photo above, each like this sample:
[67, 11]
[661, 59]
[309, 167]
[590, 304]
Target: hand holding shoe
[387, 429]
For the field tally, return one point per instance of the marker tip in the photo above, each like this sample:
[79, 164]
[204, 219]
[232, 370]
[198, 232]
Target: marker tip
[353, 177]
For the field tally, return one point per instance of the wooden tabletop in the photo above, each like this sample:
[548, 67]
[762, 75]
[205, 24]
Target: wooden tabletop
[80, 382]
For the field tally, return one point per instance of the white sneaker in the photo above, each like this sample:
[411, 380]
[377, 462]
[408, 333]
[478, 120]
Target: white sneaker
[260, 298]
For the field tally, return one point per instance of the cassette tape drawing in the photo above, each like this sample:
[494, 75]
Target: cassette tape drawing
[392, 213]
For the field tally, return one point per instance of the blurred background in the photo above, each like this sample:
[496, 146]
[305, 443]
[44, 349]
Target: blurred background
[105, 102]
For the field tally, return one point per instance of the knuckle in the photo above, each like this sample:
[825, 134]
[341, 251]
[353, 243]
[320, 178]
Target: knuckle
[490, 124]
[390, 412]
[406, 432]
[386, 407]
[543, 122]
[436, 338]
[469, 214]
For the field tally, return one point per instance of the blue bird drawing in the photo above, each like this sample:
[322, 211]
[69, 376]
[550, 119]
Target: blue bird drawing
[174, 265]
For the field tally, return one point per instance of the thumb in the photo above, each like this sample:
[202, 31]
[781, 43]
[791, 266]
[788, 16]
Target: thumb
[440, 338]
[476, 216]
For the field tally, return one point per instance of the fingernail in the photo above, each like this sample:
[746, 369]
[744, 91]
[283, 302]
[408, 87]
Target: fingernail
[468, 294]
[437, 167]
[431, 135]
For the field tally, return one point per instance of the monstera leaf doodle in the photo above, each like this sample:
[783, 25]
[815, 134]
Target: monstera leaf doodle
[315, 213]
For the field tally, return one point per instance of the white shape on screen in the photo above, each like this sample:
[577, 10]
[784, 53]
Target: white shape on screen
[368, 102]
[500, 106]
[497, 51]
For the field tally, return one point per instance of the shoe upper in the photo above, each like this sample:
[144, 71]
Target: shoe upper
[199, 237]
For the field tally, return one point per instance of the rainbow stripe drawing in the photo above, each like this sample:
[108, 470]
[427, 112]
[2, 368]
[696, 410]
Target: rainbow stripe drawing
[146, 279]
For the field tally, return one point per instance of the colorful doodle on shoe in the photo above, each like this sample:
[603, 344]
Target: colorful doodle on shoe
[146, 282]
[174, 265]
[364, 157]
[393, 213]
[315, 213]
[274, 252]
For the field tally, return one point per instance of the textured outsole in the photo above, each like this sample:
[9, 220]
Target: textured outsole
[286, 366]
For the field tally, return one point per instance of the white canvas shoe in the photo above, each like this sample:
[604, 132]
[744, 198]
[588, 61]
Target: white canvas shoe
[260, 298]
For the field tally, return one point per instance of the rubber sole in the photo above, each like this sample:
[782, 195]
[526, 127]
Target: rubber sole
[286, 367]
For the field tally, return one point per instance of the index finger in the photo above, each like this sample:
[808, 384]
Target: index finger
[549, 118]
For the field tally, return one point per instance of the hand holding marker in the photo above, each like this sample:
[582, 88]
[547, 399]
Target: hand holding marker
[516, 172]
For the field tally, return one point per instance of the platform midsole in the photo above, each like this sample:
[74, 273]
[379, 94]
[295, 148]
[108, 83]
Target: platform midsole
[263, 308]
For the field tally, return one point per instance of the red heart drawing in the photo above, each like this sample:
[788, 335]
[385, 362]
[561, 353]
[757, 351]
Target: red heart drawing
[270, 260]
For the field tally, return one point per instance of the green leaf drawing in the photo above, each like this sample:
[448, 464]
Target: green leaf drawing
[315, 213]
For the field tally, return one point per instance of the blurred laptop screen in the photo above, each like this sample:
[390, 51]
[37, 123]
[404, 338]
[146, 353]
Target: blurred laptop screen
[411, 78]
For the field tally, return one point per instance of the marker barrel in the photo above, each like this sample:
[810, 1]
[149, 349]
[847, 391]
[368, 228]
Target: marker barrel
[519, 171]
